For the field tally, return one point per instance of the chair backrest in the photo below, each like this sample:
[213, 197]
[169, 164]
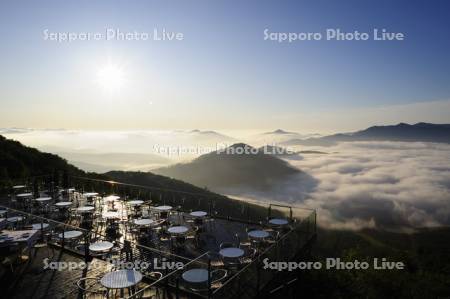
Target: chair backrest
[226, 245]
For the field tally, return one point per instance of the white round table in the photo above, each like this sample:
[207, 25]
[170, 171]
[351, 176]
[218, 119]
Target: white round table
[143, 222]
[121, 279]
[163, 208]
[111, 198]
[14, 219]
[195, 275]
[43, 199]
[101, 246]
[70, 234]
[178, 230]
[135, 202]
[85, 209]
[231, 252]
[278, 221]
[198, 214]
[90, 194]
[19, 187]
[111, 215]
[258, 234]
[63, 204]
[22, 195]
[37, 226]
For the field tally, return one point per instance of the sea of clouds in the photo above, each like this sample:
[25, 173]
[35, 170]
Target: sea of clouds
[394, 185]
[380, 184]
[389, 185]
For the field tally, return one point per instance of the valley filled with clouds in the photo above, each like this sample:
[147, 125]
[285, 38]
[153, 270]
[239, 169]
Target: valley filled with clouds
[378, 184]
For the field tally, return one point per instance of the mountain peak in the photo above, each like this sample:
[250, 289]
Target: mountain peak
[240, 145]
[279, 132]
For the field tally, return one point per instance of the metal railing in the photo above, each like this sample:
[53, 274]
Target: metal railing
[247, 282]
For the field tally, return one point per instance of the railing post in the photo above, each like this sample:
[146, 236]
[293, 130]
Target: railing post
[239, 289]
[210, 207]
[315, 221]
[258, 276]
[209, 277]
[86, 247]
[63, 242]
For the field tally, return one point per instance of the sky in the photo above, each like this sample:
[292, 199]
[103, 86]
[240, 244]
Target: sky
[223, 75]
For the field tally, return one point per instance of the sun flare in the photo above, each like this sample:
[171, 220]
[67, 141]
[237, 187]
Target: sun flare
[111, 78]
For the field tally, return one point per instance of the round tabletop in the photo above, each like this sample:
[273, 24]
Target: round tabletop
[198, 214]
[178, 229]
[111, 215]
[143, 222]
[42, 199]
[195, 275]
[85, 209]
[135, 202]
[38, 226]
[121, 279]
[258, 234]
[63, 204]
[231, 252]
[14, 219]
[278, 221]
[101, 246]
[19, 187]
[111, 198]
[163, 208]
[70, 234]
[24, 195]
[90, 194]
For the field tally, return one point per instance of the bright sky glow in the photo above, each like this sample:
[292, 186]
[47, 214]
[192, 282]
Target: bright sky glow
[223, 75]
[111, 78]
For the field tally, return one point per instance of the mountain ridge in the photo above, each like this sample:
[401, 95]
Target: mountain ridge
[239, 165]
[419, 132]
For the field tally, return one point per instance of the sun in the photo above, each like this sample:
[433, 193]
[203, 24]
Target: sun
[111, 78]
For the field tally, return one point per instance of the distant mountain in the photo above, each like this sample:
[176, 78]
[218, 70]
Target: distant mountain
[239, 165]
[18, 161]
[210, 135]
[277, 151]
[278, 136]
[279, 132]
[103, 162]
[420, 132]
[156, 181]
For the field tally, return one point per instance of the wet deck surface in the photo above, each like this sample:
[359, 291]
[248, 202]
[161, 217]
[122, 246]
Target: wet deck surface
[30, 279]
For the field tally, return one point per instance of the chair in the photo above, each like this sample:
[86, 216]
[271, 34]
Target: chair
[215, 260]
[217, 277]
[43, 243]
[155, 275]
[249, 256]
[226, 245]
[90, 286]
[274, 235]
[243, 244]
[11, 254]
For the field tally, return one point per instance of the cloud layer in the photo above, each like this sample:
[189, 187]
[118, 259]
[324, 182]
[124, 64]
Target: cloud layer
[382, 184]
[389, 185]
